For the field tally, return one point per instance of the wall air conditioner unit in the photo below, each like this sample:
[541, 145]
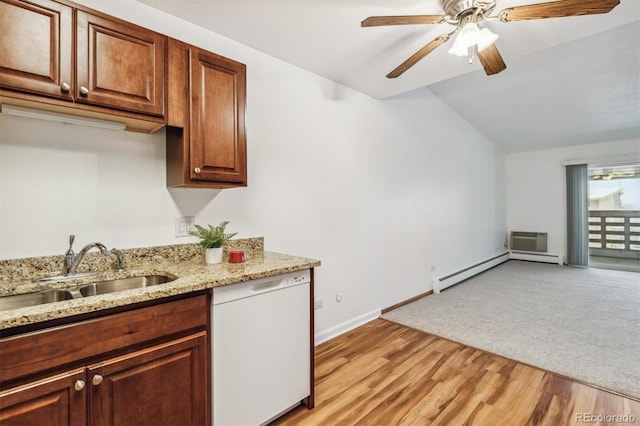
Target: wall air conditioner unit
[529, 241]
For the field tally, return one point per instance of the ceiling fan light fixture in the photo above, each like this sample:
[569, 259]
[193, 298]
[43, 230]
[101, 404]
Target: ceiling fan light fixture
[485, 39]
[467, 38]
[471, 35]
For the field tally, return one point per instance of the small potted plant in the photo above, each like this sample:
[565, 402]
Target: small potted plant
[211, 239]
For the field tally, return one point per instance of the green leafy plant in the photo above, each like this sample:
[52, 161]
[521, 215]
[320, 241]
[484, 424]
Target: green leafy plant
[213, 236]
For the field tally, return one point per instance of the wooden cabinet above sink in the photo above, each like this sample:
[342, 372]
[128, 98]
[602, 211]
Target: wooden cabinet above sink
[69, 59]
[66, 58]
[119, 65]
[36, 47]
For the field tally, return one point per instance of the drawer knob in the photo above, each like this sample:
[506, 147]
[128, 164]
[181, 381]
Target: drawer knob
[97, 379]
[79, 385]
[84, 90]
[197, 170]
[65, 86]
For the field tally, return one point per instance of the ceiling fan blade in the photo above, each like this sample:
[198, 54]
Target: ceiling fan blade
[491, 60]
[433, 44]
[377, 21]
[557, 9]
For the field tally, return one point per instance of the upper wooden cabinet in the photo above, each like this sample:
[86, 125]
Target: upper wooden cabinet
[58, 56]
[36, 47]
[115, 65]
[119, 65]
[206, 140]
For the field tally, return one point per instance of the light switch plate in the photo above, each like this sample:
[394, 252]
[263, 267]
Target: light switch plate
[183, 225]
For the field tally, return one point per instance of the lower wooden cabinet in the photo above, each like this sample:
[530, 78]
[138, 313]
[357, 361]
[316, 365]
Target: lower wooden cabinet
[57, 400]
[164, 382]
[162, 385]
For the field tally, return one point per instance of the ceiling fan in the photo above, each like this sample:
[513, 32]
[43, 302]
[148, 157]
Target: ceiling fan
[474, 40]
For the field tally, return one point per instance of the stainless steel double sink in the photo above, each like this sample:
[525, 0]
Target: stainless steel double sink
[92, 289]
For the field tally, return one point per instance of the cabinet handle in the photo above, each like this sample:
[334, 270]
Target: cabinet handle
[79, 385]
[84, 90]
[97, 379]
[197, 170]
[65, 86]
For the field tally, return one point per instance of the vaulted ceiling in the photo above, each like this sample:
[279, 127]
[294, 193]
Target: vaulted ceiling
[568, 80]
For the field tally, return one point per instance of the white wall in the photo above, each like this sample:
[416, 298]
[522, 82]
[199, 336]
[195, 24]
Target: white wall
[536, 186]
[379, 191]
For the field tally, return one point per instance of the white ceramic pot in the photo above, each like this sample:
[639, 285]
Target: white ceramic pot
[213, 255]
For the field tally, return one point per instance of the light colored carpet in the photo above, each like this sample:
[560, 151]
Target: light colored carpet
[582, 323]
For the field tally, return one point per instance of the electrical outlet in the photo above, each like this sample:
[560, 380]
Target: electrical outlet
[183, 225]
[318, 303]
[433, 268]
[190, 222]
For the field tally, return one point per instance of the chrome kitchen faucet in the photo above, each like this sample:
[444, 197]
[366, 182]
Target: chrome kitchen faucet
[120, 258]
[72, 260]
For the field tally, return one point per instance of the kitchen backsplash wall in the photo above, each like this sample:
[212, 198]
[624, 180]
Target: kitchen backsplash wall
[386, 193]
[44, 266]
[100, 185]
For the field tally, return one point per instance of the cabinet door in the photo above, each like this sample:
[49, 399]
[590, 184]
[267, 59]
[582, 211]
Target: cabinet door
[163, 385]
[35, 47]
[120, 65]
[218, 141]
[57, 401]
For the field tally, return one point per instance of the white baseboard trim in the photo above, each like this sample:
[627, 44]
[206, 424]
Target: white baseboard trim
[339, 329]
[536, 257]
[451, 279]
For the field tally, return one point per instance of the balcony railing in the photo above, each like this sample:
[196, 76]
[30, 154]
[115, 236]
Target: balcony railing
[614, 233]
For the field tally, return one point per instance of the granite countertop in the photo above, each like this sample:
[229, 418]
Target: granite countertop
[193, 275]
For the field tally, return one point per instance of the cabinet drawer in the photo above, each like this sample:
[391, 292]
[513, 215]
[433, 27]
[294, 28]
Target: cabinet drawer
[30, 353]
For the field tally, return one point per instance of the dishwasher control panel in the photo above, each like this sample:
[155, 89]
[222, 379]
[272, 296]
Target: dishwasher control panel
[297, 279]
[249, 288]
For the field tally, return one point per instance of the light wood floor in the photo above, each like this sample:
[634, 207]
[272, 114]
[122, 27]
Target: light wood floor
[387, 374]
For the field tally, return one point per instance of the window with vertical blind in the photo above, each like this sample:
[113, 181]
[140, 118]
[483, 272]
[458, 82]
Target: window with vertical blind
[577, 178]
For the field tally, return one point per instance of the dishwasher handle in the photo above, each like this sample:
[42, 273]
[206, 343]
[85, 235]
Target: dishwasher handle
[266, 286]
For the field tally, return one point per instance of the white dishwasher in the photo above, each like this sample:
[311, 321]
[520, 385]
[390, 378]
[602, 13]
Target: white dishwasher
[261, 348]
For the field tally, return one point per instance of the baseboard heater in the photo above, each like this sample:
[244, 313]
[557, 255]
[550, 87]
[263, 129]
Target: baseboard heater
[461, 275]
[537, 257]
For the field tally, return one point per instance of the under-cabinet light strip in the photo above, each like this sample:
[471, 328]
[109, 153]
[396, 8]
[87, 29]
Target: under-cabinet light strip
[19, 111]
